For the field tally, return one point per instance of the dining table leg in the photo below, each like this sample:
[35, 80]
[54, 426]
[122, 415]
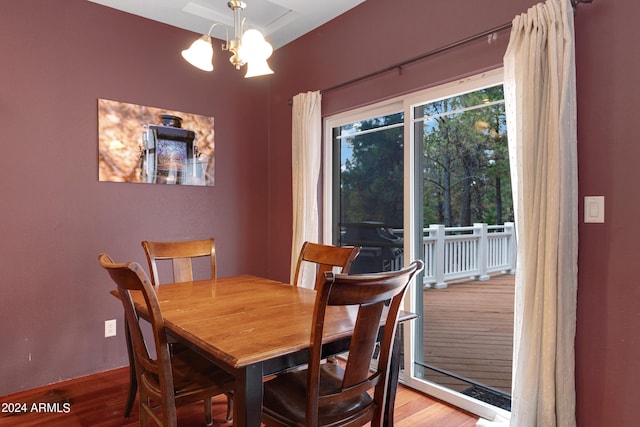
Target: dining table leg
[247, 397]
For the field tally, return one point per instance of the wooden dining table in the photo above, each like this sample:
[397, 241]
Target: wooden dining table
[253, 328]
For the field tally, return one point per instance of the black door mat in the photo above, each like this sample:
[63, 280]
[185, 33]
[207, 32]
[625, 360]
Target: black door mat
[492, 398]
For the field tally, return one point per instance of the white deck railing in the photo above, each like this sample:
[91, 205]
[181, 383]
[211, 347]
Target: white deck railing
[467, 252]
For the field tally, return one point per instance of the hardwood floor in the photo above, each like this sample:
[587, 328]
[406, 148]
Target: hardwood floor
[98, 400]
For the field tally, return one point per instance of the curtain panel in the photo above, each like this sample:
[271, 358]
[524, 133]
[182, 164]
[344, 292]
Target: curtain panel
[305, 169]
[540, 98]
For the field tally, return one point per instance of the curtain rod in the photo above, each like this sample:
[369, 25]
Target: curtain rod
[425, 55]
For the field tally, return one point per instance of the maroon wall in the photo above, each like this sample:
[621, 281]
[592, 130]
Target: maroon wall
[58, 59]
[380, 33]
[608, 84]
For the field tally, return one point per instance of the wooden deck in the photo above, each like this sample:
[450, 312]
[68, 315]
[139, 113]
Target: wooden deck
[468, 330]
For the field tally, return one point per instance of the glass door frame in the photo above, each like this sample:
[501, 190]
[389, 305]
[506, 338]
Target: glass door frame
[412, 213]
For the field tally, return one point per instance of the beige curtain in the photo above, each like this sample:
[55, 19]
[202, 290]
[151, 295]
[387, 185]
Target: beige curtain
[305, 168]
[540, 100]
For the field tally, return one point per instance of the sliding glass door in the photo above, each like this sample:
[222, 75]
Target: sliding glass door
[406, 178]
[465, 340]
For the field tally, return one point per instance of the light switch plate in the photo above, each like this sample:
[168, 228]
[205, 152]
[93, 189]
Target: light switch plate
[594, 209]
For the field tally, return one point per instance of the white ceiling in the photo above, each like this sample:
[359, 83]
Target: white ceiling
[281, 21]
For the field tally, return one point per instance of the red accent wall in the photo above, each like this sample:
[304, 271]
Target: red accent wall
[608, 88]
[55, 218]
[58, 59]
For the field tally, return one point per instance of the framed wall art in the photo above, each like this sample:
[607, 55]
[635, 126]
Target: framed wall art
[153, 145]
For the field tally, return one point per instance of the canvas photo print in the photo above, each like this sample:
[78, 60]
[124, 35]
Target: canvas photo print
[152, 145]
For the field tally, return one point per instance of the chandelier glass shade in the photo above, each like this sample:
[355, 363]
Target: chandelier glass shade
[250, 49]
[200, 54]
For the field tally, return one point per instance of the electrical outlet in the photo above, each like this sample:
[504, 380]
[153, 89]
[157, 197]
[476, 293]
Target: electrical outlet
[110, 328]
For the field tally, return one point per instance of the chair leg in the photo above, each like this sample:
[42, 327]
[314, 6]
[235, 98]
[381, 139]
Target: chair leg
[133, 389]
[208, 418]
[392, 382]
[133, 379]
[229, 408]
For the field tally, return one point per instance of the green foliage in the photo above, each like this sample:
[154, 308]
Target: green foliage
[371, 179]
[465, 164]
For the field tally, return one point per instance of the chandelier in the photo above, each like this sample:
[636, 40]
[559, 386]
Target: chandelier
[251, 48]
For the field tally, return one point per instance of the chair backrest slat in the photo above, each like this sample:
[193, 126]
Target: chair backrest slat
[325, 258]
[181, 255]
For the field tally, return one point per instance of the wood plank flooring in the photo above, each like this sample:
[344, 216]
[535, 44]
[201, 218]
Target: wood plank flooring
[468, 330]
[98, 400]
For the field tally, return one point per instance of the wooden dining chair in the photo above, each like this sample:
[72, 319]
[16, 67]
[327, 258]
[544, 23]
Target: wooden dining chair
[326, 394]
[325, 258]
[181, 255]
[169, 379]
